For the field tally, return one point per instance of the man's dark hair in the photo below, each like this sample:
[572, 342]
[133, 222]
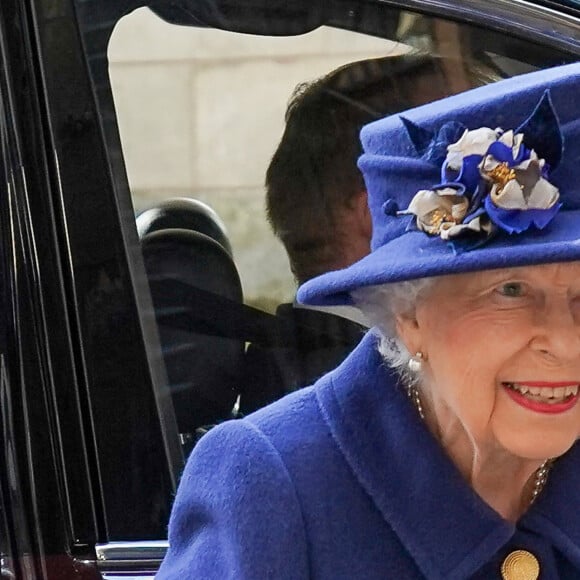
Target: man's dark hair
[313, 175]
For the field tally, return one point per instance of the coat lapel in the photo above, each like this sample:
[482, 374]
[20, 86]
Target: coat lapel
[448, 530]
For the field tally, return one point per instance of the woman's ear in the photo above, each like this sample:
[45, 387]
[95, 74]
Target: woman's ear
[409, 331]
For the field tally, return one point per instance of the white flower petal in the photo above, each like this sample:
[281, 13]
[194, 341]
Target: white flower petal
[475, 142]
[518, 142]
[510, 197]
[489, 163]
[447, 191]
[454, 160]
[475, 225]
[532, 159]
[424, 202]
[507, 139]
[543, 195]
[525, 164]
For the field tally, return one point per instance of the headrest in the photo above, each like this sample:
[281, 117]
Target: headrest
[187, 214]
[193, 258]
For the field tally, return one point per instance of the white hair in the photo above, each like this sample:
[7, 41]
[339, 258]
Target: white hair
[381, 305]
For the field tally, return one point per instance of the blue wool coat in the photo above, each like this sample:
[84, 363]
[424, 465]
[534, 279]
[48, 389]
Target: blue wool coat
[343, 481]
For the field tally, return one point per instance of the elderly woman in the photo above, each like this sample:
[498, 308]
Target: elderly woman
[445, 446]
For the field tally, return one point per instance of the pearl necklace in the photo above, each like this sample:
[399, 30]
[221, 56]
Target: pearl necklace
[541, 473]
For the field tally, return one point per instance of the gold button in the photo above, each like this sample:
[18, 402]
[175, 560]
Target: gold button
[520, 565]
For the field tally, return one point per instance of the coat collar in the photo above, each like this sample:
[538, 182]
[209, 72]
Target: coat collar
[555, 513]
[420, 493]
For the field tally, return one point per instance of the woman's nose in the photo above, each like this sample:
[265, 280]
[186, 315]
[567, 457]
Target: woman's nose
[558, 332]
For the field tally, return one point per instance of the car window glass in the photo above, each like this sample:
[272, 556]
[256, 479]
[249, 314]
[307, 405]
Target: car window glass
[211, 114]
[7, 564]
[200, 112]
[8, 479]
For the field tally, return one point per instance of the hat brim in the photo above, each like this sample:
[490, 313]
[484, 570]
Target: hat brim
[417, 255]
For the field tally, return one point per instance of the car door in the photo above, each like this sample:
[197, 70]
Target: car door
[47, 503]
[63, 444]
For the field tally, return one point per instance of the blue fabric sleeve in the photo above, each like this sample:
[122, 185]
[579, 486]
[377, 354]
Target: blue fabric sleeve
[236, 514]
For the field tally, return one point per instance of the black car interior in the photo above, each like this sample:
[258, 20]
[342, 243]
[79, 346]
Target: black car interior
[203, 370]
[224, 358]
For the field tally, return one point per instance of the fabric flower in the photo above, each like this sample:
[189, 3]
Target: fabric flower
[438, 210]
[522, 187]
[518, 185]
[490, 180]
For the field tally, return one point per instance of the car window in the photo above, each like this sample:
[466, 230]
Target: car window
[212, 112]
[200, 113]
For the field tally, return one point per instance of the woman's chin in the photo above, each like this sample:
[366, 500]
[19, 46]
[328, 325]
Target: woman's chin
[538, 445]
[533, 434]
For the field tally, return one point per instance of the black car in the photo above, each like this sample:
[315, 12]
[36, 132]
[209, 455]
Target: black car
[119, 347]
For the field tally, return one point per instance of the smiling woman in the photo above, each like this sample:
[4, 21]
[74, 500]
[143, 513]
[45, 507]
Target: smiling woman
[500, 366]
[457, 459]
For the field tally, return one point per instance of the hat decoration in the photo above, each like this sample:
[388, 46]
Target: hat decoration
[491, 179]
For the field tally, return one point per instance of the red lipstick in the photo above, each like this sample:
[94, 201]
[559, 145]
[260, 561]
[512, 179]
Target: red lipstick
[552, 385]
[541, 407]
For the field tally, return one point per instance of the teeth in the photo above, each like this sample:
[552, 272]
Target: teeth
[546, 392]
[559, 392]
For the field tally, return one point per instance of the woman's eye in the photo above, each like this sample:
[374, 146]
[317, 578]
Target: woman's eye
[512, 289]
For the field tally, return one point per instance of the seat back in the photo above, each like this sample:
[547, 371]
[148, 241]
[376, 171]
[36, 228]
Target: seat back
[204, 369]
[320, 342]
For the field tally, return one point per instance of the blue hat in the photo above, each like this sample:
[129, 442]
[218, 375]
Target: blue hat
[486, 179]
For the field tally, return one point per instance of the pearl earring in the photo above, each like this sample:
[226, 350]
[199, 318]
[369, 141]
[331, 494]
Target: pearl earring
[416, 362]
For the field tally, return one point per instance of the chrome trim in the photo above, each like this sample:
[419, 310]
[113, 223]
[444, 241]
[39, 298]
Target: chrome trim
[113, 576]
[518, 17]
[131, 551]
